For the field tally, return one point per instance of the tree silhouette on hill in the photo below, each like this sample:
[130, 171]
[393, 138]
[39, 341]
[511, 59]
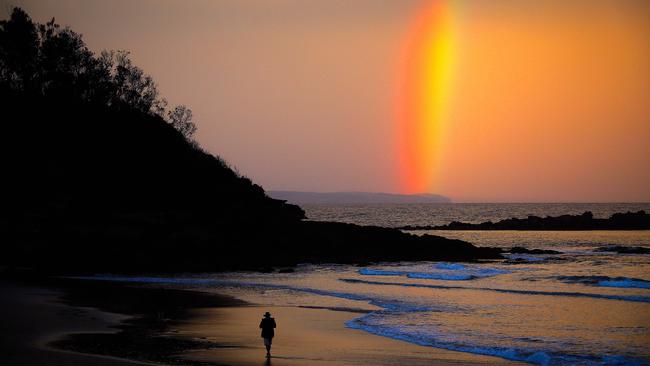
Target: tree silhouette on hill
[48, 60]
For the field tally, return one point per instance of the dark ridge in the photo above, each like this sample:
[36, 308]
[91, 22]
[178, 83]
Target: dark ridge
[623, 249]
[619, 221]
[596, 280]
[99, 176]
[522, 250]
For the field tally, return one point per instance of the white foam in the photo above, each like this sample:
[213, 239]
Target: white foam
[542, 357]
[626, 283]
[379, 272]
[442, 271]
[449, 266]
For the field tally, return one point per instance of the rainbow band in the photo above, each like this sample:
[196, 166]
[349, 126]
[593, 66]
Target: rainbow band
[424, 97]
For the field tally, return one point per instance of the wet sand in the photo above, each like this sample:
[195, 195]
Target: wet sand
[306, 336]
[31, 317]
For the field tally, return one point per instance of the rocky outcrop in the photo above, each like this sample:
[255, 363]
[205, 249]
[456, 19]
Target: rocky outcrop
[619, 221]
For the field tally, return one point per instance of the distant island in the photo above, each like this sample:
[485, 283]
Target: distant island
[297, 197]
[619, 221]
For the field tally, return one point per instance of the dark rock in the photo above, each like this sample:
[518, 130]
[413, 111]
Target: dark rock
[619, 221]
[522, 250]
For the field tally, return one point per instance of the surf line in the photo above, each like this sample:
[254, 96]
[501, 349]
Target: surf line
[519, 292]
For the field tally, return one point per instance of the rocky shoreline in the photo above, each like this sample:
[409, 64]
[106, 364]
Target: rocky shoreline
[639, 220]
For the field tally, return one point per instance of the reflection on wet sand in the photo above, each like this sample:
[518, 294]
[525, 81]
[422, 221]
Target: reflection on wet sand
[307, 337]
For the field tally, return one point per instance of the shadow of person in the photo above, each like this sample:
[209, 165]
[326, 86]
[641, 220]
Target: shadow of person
[267, 362]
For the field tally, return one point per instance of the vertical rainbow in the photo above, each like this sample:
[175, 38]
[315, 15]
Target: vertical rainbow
[424, 95]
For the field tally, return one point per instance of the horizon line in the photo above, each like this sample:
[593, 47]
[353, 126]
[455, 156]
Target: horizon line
[453, 200]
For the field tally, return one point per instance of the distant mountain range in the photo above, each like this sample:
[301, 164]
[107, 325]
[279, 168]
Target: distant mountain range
[356, 197]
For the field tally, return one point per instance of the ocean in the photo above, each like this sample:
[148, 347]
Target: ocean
[588, 305]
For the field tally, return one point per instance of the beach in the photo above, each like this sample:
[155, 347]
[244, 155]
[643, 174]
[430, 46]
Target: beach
[224, 332]
[576, 305]
[308, 336]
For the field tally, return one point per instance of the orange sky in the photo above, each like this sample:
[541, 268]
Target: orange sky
[551, 103]
[548, 101]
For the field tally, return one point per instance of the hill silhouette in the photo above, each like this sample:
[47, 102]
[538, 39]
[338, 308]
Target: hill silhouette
[99, 175]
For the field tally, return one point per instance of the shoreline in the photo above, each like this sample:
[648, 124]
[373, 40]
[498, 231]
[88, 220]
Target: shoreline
[310, 336]
[123, 325]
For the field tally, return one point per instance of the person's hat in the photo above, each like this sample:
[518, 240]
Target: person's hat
[267, 314]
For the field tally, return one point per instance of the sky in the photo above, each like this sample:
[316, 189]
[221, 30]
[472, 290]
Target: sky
[482, 101]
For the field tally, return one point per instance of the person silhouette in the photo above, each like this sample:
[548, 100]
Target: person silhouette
[268, 325]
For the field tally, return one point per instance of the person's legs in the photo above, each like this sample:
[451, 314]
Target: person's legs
[267, 343]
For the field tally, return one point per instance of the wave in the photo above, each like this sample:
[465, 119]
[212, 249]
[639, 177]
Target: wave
[605, 281]
[430, 276]
[337, 308]
[440, 271]
[509, 291]
[390, 304]
[380, 272]
[441, 276]
[394, 305]
[372, 323]
[627, 283]
[450, 266]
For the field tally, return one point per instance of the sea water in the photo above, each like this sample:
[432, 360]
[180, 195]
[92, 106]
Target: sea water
[583, 306]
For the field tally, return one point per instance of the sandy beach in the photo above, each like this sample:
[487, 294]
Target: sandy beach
[35, 317]
[307, 336]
